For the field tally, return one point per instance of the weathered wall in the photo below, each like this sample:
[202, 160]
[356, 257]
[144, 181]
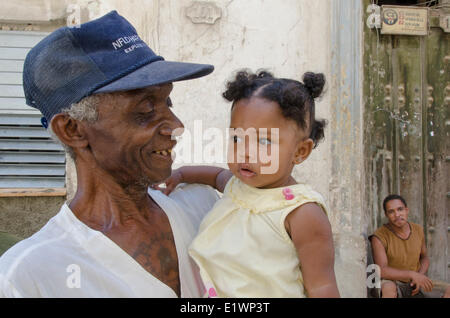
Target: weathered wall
[33, 15]
[36, 11]
[347, 187]
[23, 216]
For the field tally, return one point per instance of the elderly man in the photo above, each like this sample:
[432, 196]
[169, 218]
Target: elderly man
[400, 251]
[105, 95]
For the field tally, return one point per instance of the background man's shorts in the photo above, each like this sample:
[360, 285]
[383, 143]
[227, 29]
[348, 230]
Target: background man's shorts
[404, 290]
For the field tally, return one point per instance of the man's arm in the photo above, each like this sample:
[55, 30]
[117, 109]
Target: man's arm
[424, 260]
[417, 279]
[311, 234]
[214, 176]
[424, 264]
[380, 258]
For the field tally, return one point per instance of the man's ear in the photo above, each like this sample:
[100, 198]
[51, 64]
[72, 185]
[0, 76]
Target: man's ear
[70, 131]
[304, 149]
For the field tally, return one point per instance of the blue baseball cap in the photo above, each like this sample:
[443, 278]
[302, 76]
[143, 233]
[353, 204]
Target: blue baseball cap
[101, 56]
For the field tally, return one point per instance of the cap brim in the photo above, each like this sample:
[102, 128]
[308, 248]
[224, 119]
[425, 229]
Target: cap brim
[157, 73]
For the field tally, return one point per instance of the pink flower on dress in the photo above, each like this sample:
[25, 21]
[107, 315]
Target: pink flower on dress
[212, 292]
[288, 195]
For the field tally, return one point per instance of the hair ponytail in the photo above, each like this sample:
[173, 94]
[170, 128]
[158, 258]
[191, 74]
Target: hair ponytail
[295, 99]
[314, 83]
[318, 131]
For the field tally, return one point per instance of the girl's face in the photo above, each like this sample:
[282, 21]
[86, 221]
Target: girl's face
[264, 145]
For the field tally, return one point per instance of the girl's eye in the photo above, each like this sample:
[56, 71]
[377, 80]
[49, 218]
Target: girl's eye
[236, 139]
[264, 141]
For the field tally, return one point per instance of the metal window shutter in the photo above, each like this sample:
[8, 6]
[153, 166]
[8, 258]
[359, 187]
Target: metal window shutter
[29, 158]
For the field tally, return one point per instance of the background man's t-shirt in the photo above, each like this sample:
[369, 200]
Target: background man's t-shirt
[403, 254]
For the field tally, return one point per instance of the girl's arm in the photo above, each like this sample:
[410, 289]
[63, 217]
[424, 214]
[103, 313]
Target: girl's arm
[214, 176]
[310, 232]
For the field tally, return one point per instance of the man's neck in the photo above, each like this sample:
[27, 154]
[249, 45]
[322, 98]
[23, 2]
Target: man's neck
[401, 231]
[129, 217]
[102, 203]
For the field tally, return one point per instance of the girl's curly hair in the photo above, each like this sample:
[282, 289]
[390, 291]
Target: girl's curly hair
[296, 99]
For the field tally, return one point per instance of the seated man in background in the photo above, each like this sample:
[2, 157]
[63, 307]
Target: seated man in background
[400, 251]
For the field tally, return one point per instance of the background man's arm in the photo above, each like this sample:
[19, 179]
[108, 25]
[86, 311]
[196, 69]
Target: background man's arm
[380, 258]
[424, 260]
[417, 279]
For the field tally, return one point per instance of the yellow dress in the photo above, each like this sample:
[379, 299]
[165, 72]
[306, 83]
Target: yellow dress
[243, 248]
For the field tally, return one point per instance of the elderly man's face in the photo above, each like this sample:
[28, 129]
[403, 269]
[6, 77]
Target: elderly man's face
[131, 139]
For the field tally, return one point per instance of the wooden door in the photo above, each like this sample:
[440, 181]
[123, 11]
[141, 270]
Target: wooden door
[406, 101]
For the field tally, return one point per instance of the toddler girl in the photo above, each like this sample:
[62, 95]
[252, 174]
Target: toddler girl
[268, 236]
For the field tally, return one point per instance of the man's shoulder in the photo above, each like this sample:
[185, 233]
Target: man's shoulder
[417, 230]
[30, 249]
[17, 254]
[416, 226]
[382, 230]
[381, 234]
[36, 256]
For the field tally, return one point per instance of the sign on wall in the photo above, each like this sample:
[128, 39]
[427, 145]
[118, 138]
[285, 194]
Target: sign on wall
[404, 20]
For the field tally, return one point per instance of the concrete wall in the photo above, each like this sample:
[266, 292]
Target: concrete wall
[347, 187]
[23, 216]
[35, 11]
[287, 37]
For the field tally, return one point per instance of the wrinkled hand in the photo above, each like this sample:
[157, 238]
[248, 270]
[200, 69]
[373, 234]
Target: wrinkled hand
[171, 182]
[420, 281]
